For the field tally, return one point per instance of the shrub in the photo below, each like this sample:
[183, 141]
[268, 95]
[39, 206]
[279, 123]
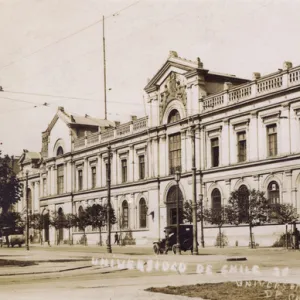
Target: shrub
[221, 241]
[281, 242]
[83, 240]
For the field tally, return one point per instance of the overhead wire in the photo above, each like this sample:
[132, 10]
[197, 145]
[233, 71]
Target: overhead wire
[68, 36]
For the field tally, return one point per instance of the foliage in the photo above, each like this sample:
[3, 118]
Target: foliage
[254, 210]
[221, 240]
[284, 213]
[10, 185]
[37, 222]
[188, 211]
[11, 220]
[281, 242]
[58, 221]
[69, 220]
[218, 216]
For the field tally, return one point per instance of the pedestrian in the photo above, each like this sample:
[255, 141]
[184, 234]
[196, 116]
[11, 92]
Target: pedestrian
[116, 238]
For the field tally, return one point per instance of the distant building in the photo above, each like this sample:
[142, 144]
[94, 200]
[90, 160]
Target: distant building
[243, 134]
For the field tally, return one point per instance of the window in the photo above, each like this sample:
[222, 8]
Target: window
[60, 179]
[142, 166]
[242, 146]
[174, 116]
[94, 177]
[216, 199]
[80, 180]
[273, 192]
[143, 213]
[44, 187]
[106, 173]
[272, 139]
[215, 152]
[175, 153]
[124, 170]
[124, 214]
[59, 151]
[243, 201]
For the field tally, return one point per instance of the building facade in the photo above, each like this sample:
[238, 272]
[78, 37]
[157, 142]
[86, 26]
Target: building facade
[223, 133]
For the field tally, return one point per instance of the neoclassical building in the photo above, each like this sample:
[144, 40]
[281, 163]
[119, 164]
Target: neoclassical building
[222, 133]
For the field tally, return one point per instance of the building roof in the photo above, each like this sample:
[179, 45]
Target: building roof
[28, 157]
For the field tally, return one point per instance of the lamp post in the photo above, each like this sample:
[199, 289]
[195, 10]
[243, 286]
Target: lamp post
[27, 216]
[108, 201]
[177, 179]
[201, 219]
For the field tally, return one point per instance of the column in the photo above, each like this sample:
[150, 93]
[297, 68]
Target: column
[98, 171]
[130, 167]
[183, 151]
[149, 159]
[163, 157]
[33, 196]
[284, 141]
[154, 156]
[65, 177]
[228, 190]
[225, 144]
[197, 147]
[85, 174]
[49, 180]
[73, 176]
[252, 142]
[288, 187]
[38, 193]
[54, 182]
[188, 150]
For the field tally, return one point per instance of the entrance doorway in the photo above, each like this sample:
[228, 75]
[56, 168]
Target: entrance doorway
[171, 206]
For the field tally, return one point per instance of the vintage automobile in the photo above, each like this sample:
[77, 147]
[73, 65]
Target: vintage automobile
[15, 236]
[185, 238]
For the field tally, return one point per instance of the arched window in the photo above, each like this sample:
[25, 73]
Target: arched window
[171, 205]
[243, 201]
[273, 193]
[59, 151]
[124, 214]
[143, 213]
[80, 211]
[216, 199]
[60, 224]
[174, 116]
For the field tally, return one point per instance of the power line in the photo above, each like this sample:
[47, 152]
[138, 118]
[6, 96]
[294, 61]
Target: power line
[68, 36]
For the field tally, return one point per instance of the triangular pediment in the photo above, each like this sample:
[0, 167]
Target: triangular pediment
[173, 64]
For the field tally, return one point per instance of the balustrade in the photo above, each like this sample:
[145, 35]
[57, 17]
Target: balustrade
[269, 84]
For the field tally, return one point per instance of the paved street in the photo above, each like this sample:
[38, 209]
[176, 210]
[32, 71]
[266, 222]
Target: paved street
[67, 271]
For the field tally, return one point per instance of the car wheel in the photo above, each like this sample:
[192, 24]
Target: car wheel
[174, 249]
[156, 249]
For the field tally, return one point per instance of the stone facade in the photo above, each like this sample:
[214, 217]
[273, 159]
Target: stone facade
[240, 132]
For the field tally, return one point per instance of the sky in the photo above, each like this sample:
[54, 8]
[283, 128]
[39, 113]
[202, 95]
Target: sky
[54, 47]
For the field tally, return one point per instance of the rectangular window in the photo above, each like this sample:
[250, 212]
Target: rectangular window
[80, 180]
[175, 153]
[272, 140]
[60, 179]
[242, 146]
[94, 177]
[215, 152]
[44, 187]
[124, 170]
[142, 166]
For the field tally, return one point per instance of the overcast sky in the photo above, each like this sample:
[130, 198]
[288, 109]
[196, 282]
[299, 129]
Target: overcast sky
[231, 36]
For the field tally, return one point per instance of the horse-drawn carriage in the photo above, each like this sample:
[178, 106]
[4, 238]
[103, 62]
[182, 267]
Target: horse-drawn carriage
[170, 241]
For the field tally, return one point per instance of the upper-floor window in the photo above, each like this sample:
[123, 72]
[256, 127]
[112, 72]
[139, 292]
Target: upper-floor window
[272, 139]
[44, 187]
[174, 116]
[124, 170]
[215, 152]
[142, 166]
[60, 179]
[80, 180]
[273, 192]
[175, 153]
[94, 177]
[242, 146]
[60, 151]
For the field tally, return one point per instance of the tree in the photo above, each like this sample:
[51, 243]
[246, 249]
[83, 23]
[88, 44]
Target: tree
[219, 217]
[10, 185]
[253, 211]
[285, 214]
[82, 221]
[97, 218]
[188, 211]
[70, 222]
[37, 223]
[58, 221]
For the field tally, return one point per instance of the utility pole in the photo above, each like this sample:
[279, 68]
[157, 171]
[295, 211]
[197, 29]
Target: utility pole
[27, 215]
[104, 75]
[194, 195]
[108, 201]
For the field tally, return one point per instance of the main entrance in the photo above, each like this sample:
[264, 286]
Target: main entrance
[171, 205]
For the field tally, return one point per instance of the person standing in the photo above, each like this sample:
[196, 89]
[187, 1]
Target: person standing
[116, 238]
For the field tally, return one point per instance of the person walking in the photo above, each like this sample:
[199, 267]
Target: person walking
[116, 238]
